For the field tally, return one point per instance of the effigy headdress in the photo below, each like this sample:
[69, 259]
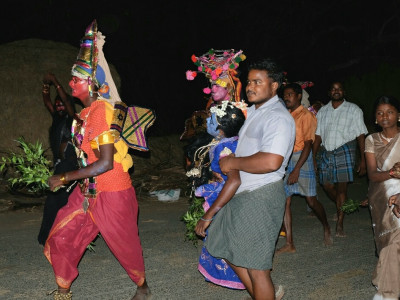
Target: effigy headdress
[220, 67]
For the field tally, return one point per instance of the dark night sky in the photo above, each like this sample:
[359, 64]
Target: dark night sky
[150, 43]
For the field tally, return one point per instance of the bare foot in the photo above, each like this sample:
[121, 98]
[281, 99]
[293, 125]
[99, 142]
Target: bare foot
[340, 232]
[364, 203]
[279, 292]
[142, 293]
[311, 214]
[328, 241]
[334, 218]
[286, 248]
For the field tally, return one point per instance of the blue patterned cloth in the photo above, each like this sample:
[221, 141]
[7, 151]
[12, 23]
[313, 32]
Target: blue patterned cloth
[307, 182]
[338, 165]
[213, 269]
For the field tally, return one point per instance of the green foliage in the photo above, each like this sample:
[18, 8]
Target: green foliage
[350, 206]
[30, 169]
[191, 217]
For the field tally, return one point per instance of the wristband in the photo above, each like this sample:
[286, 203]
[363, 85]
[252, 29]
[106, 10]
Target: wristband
[63, 179]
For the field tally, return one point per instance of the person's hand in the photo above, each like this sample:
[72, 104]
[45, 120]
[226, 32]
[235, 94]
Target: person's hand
[395, 171]
[315, 165]
[55, 181]
[49, 78]
[225, 163]
[395, 202]
[201, 227]
[217, 177]
[362, 170]
[293, 176]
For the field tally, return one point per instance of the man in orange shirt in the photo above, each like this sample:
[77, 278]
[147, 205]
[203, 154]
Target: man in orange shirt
[300, 175]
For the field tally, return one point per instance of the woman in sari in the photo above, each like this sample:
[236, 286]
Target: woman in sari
[382, 152]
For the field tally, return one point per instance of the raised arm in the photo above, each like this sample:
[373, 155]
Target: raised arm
[51, 79]
[46, 95]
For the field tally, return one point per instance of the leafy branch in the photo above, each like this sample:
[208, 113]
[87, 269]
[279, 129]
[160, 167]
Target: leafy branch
[30, 168]
[191, 217]
[350, 206]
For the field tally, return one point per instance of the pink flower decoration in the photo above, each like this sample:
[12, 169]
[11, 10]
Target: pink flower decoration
[225, 67]
[207, 90]
[190, 75]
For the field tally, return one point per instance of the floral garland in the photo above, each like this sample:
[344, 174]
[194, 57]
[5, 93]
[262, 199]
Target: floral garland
[216, 64]
[220, 110]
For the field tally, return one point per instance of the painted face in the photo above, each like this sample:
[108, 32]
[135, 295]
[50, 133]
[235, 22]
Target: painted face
[386, 115]
[212, 125]
[336, 93]
[80, 88]
[218, 92]
[292, 100]
[260, 88]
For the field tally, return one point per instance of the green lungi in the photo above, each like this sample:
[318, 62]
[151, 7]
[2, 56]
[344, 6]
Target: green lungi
[246, 229]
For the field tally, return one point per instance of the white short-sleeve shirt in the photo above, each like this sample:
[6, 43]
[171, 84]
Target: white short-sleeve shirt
[341, 125]
[271, 129]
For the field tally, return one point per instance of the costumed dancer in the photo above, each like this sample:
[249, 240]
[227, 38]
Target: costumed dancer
[226, 117]
[104, 200]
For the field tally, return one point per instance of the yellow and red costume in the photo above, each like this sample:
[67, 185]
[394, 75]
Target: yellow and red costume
[112, 210]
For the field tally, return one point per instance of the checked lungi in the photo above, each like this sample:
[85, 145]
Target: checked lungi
[307, 182]
[338, 165]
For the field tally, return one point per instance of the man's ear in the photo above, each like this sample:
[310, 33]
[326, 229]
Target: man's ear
[275, 86]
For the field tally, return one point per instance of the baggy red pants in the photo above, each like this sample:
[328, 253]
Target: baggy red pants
[114, 215]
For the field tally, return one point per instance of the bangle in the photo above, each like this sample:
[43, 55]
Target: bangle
[207, 220]
[46, 88]
[63, 178]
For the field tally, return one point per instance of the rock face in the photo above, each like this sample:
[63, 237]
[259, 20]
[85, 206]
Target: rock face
[22, 66]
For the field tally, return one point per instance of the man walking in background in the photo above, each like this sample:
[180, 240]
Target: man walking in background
[340, 127]
[300, 174]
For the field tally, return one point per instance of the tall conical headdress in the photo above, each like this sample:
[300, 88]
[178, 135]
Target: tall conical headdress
[92, 65]
[86, 63]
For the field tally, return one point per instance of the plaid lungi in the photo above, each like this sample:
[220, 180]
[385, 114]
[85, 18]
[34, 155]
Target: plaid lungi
[307, 182]
[338, 165]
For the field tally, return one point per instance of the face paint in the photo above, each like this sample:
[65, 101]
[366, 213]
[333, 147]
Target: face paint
[212, 125]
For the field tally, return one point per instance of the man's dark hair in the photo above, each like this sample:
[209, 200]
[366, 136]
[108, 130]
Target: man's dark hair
[231, 122]
[295, 87]
[274, 71]
[337, 81]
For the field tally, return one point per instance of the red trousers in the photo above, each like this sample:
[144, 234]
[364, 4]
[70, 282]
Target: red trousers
[114, 215]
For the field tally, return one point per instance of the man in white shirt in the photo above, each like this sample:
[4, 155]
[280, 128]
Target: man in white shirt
[245, 230]
[340, 127]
